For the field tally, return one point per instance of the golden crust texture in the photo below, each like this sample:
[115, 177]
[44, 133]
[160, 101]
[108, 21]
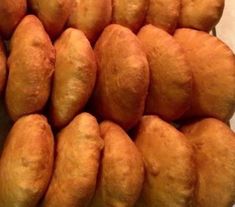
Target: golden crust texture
[74, 77]
[170, 75]
[201, 15]
[123, 77]
[164, 14]
[129, 13]
[169, 164]
[26, 162]
[122, 173]
[11, 13]
[31, 65]
[214, 144]
[52, 13]
[76, 166]
[91, 17]
[3, 64]
[213, 67]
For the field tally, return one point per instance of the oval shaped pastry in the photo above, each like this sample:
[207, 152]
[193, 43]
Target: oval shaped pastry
[214, 144]
[122, 173]
[164, 14]
[91, 17]
[74, 77]
[170, 75]
[11, 13]
[27, 162]
[31, 65]
[52, 13]
[201, 15]
[213, 67]
[76, 166]
[169, 164]
[129, 13]
[123, 77]
[3, 66]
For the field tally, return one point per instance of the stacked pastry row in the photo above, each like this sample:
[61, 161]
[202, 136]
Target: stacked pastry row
[190, 74]
[91, 17]
[99, 165]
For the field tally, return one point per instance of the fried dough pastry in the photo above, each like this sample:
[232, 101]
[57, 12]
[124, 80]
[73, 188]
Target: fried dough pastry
[169, 164]
[123, 77]
[214, 144]
[31, 65]
[52, 13]
[3, 69]
[201, 15]
[164, 14]
[213, 67]
[91, 17]
[11, 13]
[129, 13]
[26, 162]
[122, 172]
[74, 78]
[76, 166]
[170, 75]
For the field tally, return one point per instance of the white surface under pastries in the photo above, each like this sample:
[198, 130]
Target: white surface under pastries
[226, 32]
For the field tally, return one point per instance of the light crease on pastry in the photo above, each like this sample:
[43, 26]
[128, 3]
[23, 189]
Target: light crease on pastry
[170, 75]
[201, 15]
[31, 65]
[213, 66]
[122, 172]
[91, 17]
[170, 172]
[74, 77]
[26, 162]
[214, 144]
[123, 77]
[77, 161]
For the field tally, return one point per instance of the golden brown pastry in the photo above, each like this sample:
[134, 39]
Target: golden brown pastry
[201, 15]
[11, 12]
[122, 172]
[31, 65]
[213, 67]
[3, 69]
[164, 14]
[76, 166]
[214, 144]
[91, 17]
[26, 162]
[129, 13]
[169, 164]
[52, 13]
[171, 77]
[74, 78]
[123, 77]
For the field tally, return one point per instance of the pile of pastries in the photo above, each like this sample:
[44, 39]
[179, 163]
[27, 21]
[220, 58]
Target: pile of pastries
[116, 103]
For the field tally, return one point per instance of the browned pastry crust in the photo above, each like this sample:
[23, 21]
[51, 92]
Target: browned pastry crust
[31, 65]
[3, 69]
[201, 15]
[122, 172]
[213, 67]
[52, 13]
[91, 17]
[74, 77]
[170, 172]
[123, 77]
[214, 144]
[26, 163]
[76, 166]
[11, 13]
[164, 14]
[170, 75]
